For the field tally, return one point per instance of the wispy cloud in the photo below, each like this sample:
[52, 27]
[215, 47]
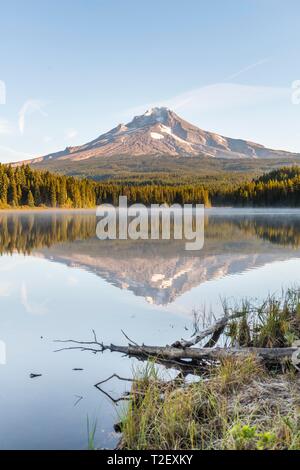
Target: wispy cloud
[218, 96]
[33, 308]
[228, 95]
[8, 154]
[29, 107]
[247, 68]
[70, 134]
[221, 94]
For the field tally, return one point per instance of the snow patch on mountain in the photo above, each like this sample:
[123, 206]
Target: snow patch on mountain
[156, 136]
[168, 131]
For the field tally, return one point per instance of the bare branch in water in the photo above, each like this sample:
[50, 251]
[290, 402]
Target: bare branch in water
[114, 400]
[125, 379]
[130, 340]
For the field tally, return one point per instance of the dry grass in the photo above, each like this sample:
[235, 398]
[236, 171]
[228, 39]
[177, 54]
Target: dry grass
[241, 406]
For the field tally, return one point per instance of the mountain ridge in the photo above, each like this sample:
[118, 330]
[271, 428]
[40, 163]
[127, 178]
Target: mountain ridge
[160, 131]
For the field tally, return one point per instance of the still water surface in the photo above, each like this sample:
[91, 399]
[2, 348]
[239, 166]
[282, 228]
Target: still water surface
[58, 281]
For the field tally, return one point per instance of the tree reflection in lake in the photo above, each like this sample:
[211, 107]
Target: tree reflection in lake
[159, 270]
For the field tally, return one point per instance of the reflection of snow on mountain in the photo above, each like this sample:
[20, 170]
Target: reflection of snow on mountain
[161, 280]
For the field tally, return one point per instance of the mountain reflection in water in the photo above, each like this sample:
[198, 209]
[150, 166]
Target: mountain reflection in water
[159, 271]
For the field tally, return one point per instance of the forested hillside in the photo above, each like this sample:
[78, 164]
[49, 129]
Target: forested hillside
[277, 188]
[22, 186]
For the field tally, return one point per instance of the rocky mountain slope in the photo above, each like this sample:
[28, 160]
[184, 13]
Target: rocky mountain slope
[161, 132]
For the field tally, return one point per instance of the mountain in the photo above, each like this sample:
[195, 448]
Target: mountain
[162, 272]
[161, 280]
[161, 132]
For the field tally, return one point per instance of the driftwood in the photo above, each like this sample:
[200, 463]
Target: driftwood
[170, 353]
[183, 356]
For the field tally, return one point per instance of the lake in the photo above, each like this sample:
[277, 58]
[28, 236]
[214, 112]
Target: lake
[58, 281]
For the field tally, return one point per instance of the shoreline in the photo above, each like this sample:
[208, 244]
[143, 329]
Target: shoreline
[213, 210]
[46, 209]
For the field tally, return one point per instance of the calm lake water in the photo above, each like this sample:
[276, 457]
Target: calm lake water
[58, 281]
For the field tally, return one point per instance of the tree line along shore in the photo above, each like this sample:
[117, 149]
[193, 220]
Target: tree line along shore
[25, 187]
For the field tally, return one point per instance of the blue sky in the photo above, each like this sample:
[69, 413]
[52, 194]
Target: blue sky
[74, 69]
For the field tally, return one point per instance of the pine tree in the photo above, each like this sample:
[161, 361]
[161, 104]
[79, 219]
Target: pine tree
[4, 189]
[62, 195]
[30, 199]
[53, 195]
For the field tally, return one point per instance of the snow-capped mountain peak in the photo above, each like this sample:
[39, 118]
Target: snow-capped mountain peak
[160, 131]
[150, 117]
[158, 113]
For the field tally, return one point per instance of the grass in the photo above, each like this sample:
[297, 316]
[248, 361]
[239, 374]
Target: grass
[273, 323]
[237, 405]
[240, 407]
[91, 432]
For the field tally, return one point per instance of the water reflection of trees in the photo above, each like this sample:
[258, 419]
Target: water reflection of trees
[284, 231]
[23, 233]
[278, 230]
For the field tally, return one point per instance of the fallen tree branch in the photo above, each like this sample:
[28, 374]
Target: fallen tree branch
[170, 353]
